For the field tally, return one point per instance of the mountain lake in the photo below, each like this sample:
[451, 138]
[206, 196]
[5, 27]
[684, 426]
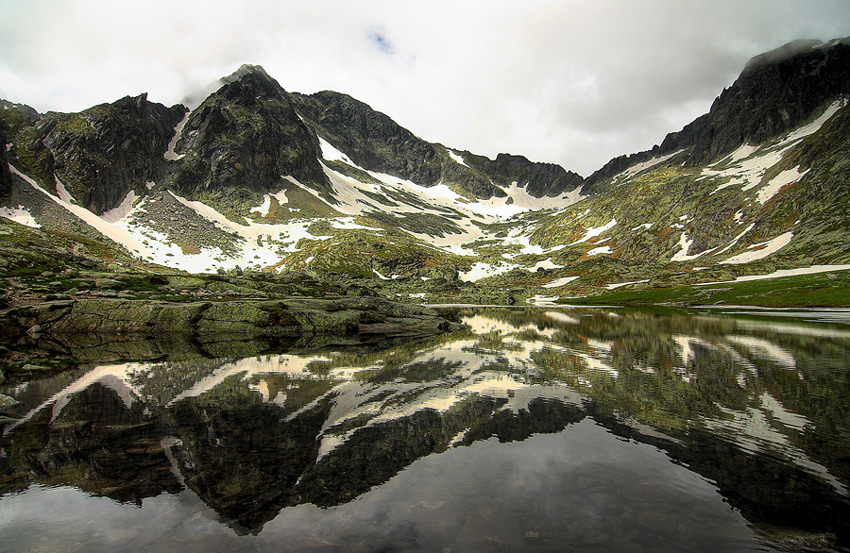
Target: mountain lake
[535, 429]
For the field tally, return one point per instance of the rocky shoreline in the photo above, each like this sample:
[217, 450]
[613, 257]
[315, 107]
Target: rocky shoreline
[287, 317]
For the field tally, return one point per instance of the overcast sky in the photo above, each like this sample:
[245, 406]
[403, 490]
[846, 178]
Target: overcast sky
[574, 82]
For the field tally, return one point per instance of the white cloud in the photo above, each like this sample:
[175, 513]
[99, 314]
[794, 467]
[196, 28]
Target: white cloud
[572, 82]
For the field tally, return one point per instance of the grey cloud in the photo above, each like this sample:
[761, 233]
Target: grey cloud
[574, 82]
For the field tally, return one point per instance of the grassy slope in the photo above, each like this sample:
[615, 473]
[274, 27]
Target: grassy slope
[820, 290]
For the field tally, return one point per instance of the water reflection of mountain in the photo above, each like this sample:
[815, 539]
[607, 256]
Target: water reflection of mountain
[759, 407]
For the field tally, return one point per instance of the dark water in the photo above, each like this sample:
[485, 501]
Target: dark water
[536, 430]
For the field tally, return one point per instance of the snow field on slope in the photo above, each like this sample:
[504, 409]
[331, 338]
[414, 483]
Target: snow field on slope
[481, 270]
[595, 231]
[811, 270]
[685, 245]
[766, 248]
[20, 215]
[598, 251]
[560, 282]
[116, 214]
[121, 226]
[110, 230]
[263, 208]
[62, 192]
[748, 169]
[621, 284]
[457, 158]
[170, 154]
[778, 182]
[638, 168]
[332, 154]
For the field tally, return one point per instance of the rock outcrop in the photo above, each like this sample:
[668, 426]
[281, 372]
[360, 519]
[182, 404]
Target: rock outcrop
[775, 93]
[247, 135]
[101, 154]
[355, 316]
[538, 179]
[374, 141]
[5, 176]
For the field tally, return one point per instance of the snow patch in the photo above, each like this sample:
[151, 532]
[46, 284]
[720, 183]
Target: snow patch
[116, 214]
[815, 125]
[621, 284]
[170, 154]
[646, 226]
[778, 182]
[595, 231]
[735, 240]
[481, 270]
[456, 157]
[62, 192]
[263, 209]
[20, 215]
[766, 249]
[347, 223]
[545, 264]
[812, 270]
[638, 168]
[443, 190]
[748, 172]
[382, 277]
[599, 251]
[561, 282]
[332, 154]
[685, 245]
[745, 151]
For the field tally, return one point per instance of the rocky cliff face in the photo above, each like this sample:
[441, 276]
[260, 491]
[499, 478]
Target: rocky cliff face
[538, 179]
[247, 135]
[374, 141]
[102, 153]
[776, 92]
[5, 176]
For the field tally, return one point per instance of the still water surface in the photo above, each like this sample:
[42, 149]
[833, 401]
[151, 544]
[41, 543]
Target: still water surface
[534, 430]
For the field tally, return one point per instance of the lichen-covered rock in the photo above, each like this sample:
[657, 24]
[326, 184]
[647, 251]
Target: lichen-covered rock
[246, 136]
[776, 92]
[292, 317]
[375, 142]
[101, 154]
[5, 176]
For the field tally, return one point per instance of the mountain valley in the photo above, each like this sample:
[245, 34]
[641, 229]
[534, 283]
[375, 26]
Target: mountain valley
[256, 180]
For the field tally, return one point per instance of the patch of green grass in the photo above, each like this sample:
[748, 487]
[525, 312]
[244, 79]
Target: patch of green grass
[78, 126]
[820, 290]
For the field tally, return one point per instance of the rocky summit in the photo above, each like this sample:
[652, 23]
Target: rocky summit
[253, 182]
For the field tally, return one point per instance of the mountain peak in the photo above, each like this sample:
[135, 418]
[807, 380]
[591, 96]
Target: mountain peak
[786, 51]
[196, 97]
[245, 70]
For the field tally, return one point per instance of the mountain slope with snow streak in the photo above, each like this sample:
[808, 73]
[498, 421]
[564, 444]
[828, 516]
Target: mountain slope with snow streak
[252, 177]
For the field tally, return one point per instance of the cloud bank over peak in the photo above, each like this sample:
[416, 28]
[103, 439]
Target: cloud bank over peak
[572, 82]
